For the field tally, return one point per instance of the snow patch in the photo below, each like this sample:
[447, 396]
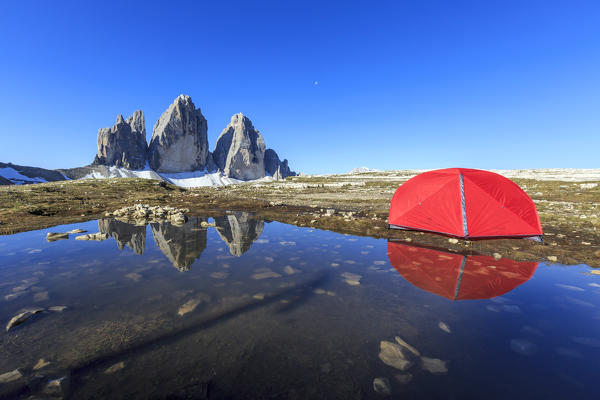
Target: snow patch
[17, 178]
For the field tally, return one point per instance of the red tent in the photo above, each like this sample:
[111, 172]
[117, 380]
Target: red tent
[456, 276]
[467, 203]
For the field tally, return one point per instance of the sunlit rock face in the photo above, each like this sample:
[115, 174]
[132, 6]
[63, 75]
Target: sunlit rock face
[181, 244]
[123, 145]
[132, 236]
[240, 150]
[179, 140]
[238, 230]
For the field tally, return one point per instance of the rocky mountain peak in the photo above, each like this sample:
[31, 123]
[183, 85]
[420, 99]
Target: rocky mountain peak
[179, 140]
[123, 145]
[240, 150]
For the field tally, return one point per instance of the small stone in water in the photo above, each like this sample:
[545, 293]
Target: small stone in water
[434, 365]
[382, 386]
[403, 379]
[407, 346]
[219, 275]
[40, 364]
[259, 296]
[22, 317]
[11, 376]
[552, 258]
[133, 276]
[289, 270]
[40, 296]
[443, 326]
[57, 308]
[115, 367]
[266, 275]
[319, 291]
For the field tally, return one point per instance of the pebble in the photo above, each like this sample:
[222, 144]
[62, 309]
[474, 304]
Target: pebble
[434, 365]
[57, 308]
[319, 291]
[351, 279]
[114, 368]
[595, 272]
[191, 304]
[443, 326]
[453, 240]
[289, 270]
[266, 275]
[382, 386]
[497, 256]
[552, 258]
[335, 265]
[40, 364]
[259, 296]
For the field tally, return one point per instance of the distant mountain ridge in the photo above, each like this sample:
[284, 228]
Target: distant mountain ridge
[178, 152]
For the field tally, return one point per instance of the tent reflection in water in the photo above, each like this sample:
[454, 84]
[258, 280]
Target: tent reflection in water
[457, 276]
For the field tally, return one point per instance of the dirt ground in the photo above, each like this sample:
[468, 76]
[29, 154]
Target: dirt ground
[358, 204]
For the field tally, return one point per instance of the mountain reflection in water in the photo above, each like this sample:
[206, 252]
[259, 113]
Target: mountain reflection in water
[184, 244]
[457, 276]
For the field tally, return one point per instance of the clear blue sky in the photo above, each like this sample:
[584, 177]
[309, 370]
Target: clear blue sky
[419, 84]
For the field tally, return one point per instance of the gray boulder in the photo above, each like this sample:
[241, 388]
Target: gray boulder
[240, 150]
[123, 145]
[276, 168]
[179, 140]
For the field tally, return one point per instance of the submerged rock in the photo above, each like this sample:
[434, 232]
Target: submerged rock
[22, 316]
[11, 376]
[434, 365]
[73, 231]
[57, 308]
[40, 364]
[382, 386]
[394, 355]
[192, 304]
[407, 346]
[114, 368]
[403, 379]
[351, 279]
[443, 326]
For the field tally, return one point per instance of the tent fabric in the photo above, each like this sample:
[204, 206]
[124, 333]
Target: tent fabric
[467, 203]
[456, 276]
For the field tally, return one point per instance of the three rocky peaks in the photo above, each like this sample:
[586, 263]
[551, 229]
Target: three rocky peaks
[179, 143]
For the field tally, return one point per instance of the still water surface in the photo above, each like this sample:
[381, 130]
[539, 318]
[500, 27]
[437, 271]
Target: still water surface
[255, 309]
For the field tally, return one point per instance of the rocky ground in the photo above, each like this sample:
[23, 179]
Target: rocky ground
[355, 204]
